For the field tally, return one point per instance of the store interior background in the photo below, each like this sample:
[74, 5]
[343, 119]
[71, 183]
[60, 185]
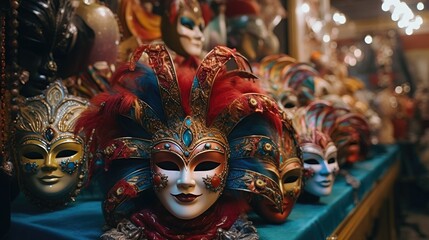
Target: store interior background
[372, 44]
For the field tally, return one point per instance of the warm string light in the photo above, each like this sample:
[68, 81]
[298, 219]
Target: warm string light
[403, 15]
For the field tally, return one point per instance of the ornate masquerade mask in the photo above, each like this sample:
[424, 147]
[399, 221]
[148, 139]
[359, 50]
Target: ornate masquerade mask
[182, 26]
[348, 130]
[291, 83]
[46, 35]
[50, 158]
[352, 137]
[313, 125]
[238, 145]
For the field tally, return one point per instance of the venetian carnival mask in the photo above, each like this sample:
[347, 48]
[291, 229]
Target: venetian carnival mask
[288, 175]
[189, 175]
[47, 35]
[351, 135]
[314, 124]
[192, 156]
[182, 27]
[50, 158]
[290, 82]
[320, 166]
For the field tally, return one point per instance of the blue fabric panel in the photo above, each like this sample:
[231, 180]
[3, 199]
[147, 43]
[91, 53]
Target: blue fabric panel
[79, 221]
[84, 220]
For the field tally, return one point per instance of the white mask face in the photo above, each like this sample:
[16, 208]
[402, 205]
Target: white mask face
[190, 29]
[187, 184]
[322, 165]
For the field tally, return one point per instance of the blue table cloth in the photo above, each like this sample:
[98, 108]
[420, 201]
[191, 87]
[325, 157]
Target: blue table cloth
[83, 219]
[317, 221]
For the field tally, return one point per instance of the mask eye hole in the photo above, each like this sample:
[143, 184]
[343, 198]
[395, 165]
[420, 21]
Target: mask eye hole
[289, 105]
[288, 102]
[33, 155]
[188, 23]
[66, 153]
[206, 166]
[290, 179]
[331, 160]
[311, 161]
[168, 166]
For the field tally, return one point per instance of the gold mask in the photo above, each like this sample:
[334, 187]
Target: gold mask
[50, 158]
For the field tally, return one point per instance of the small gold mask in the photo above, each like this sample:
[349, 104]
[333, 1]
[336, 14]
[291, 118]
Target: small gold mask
[50, 158]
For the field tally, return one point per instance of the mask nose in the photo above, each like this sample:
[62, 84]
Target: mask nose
[50, 164]
[186, 180]
[325, 169]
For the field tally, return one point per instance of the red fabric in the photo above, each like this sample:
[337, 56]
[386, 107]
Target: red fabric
[242, 7]
[185, 70]
[207, 12]
[158, 224]
[225, 91]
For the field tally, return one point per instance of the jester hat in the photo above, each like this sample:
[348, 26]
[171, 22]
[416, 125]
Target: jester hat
[212, 106]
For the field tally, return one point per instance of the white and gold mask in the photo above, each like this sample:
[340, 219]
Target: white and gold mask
[50, 158]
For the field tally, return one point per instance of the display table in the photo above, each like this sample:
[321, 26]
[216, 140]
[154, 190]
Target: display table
[330, 215]
[337, 214]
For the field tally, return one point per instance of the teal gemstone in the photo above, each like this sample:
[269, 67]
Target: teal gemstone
[188, 122]
[187, 137]
[71, 165]
[30, 167]
[49, 134]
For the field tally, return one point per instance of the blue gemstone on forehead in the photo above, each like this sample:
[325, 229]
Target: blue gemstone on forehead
[188, 122]
[186, 154]
[49, 134]
[187, 137]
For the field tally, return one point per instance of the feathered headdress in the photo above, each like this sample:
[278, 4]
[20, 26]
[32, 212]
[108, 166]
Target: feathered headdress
[336, 123]
[290, 82]
[213, 107]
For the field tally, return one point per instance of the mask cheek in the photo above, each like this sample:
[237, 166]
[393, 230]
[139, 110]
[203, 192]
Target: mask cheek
[214, 183]
[68, 166]
[309, 172]
[160, 180]
[184, 31]
[292, 181]
[30, 167]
